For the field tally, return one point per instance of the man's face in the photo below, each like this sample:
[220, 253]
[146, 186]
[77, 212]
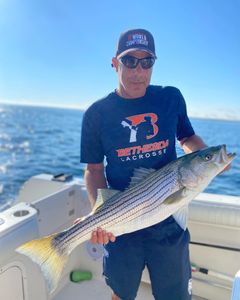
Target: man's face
[133, 82]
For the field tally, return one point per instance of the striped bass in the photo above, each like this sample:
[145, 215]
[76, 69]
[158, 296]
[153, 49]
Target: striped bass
[153, 195]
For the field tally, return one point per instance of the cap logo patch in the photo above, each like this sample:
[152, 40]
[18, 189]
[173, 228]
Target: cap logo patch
[137, 39]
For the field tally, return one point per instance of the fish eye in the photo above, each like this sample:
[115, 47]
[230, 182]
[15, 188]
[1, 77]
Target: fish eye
[208, 157]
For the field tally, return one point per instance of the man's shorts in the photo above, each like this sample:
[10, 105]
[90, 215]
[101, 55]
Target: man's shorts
[163, 248]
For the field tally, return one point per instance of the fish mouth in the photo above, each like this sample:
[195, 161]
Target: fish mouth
[226, 157]
[231, 155]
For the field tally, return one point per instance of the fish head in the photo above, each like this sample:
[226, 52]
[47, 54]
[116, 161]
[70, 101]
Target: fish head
[199, 168]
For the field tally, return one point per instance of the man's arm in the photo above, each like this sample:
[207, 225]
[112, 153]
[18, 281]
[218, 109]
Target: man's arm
[95, 179]
[192, 143]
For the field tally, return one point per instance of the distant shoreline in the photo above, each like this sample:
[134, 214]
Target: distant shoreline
[38, 105]
[76, 107]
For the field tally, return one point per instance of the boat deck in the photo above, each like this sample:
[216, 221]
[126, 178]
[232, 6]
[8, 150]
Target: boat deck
[97, 289]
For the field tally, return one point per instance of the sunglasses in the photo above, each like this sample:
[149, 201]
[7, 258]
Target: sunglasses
[132, 62]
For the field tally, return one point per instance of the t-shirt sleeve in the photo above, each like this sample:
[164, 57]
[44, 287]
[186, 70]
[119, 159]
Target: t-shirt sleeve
[184, 126]
[91, 145]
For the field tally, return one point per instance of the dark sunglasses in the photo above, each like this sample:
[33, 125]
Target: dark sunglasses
[131, 62]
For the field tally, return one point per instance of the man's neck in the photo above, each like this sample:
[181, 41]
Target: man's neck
[122, 93]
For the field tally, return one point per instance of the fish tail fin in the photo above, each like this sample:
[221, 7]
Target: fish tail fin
[48, 256]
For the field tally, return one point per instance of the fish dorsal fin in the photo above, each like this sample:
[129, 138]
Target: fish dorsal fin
[139, 174]
[181, 217]
[103, 195]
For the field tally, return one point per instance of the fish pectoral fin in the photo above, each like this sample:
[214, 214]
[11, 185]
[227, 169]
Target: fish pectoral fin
[104, 195]
[175, 197]
[181, 217]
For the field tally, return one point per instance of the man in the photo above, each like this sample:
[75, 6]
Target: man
[136, 126]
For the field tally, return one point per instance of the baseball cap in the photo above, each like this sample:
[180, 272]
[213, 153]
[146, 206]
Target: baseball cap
[135, 39]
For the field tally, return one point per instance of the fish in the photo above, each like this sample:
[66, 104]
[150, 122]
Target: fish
[152, 196]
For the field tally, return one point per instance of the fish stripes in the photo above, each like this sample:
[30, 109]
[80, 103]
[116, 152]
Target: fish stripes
[127, 203]
[142, 205]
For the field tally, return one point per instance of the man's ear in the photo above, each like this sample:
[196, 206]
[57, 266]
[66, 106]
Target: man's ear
[115, 63]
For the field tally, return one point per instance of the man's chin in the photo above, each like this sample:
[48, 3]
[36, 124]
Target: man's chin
[133, 91]
[137, 91]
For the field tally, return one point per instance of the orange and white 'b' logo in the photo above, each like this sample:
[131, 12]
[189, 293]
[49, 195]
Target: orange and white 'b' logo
[141, 126]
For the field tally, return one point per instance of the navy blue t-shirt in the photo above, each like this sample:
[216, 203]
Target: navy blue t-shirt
[132, 133]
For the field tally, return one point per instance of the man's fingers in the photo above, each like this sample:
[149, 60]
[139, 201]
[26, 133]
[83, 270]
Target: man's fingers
[111, 237]
[97, 236]
[94, 237]
[100, 236]
[105, 237]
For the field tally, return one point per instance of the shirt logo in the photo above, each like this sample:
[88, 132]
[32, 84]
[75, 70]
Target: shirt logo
[141, 129]
[141, 126]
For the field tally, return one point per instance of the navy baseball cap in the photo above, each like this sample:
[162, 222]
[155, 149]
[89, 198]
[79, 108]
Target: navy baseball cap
[135, 39]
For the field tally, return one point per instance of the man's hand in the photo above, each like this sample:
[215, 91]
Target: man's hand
[95, 179]
[99, 236]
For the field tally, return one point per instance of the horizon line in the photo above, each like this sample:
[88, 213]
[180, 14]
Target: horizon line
[37, 104]
[84, 107]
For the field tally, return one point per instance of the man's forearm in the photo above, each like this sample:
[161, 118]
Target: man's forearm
[94, 180]
[192, 143]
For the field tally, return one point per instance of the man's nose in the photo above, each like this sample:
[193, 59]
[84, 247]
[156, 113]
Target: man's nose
[139, 68]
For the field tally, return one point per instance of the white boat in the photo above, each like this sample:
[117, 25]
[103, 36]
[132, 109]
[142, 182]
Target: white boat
[45, 206]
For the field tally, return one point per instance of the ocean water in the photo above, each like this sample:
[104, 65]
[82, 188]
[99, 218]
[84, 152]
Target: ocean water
[36, 140]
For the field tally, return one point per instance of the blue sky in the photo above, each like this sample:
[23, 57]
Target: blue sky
[59, 52]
